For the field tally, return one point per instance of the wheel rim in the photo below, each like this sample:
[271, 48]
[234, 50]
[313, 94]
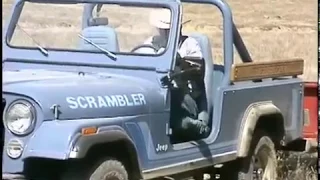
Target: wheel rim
[258, 170]
[111, 178]
[113, 175]
[263, 164]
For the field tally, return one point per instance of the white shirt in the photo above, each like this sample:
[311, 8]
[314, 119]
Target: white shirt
[190, 48]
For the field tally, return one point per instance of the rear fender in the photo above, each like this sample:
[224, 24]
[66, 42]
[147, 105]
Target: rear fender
[249, 122]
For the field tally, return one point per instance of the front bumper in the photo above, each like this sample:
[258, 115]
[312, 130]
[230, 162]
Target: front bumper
[13, 177]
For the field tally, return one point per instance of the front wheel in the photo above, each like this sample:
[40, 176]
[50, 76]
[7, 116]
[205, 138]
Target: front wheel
[261, 164]
[109, 169]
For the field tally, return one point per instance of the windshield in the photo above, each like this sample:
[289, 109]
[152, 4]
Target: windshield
[108, 29]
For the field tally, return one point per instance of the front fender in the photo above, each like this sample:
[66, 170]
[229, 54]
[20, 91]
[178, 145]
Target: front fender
[105, 135]
[52, 140]
[59, 139]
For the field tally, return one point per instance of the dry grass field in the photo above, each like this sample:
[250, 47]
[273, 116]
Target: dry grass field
[271, 30]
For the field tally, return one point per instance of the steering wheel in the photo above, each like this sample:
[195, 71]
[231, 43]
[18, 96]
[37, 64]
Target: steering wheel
[189, 61]
[144, 46]
[193, 63]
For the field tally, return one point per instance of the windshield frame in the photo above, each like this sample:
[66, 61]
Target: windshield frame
[161, 62]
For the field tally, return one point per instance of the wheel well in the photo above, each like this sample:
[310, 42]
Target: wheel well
[273, 125]
[122, 150]
[38, 168]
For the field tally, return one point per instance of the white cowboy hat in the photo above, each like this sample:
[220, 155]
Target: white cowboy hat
[160, 18]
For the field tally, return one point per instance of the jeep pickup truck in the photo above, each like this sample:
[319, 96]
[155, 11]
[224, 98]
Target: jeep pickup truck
[100, 110]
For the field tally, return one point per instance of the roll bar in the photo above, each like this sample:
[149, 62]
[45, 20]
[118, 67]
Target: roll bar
[231, 37]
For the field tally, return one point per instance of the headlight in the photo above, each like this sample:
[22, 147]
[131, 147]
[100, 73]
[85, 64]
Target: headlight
[20, 117]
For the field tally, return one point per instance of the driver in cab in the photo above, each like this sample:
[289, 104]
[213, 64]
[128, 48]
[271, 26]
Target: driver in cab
[161, 20]
[190, 116]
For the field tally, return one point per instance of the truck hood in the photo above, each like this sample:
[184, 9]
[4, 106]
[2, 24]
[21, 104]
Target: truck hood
[86, 95]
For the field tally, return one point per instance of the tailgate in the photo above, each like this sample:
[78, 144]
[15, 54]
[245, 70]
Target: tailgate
[310, 110]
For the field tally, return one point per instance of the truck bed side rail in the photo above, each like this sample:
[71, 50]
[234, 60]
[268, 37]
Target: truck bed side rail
[261, 70]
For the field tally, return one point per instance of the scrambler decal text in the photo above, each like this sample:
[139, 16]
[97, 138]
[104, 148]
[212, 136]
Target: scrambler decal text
[106, 101]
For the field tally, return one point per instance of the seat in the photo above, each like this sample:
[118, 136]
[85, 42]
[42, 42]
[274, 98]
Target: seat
[98, 21]
[205, 46]
[101, 34]
[213, 73]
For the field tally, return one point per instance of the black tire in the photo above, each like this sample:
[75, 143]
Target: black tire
[262, 155]
[109, 169]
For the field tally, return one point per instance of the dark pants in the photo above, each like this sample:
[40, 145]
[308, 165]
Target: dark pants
[186, 124]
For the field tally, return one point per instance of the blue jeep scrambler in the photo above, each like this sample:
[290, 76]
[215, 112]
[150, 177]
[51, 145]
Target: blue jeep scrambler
[100, 112]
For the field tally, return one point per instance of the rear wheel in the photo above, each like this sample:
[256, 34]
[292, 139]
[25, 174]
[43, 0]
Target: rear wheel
[262, 163]
[109, 169]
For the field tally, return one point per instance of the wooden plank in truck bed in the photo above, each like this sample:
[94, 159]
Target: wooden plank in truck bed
[262, 70]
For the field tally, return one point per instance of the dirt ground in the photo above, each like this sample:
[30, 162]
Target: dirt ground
[271, 29]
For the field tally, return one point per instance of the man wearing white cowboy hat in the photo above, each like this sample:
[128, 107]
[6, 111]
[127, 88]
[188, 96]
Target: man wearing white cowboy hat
[161, 19]
[190, 117]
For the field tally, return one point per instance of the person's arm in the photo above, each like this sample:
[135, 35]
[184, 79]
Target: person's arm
[190, 48]
[146, 50]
